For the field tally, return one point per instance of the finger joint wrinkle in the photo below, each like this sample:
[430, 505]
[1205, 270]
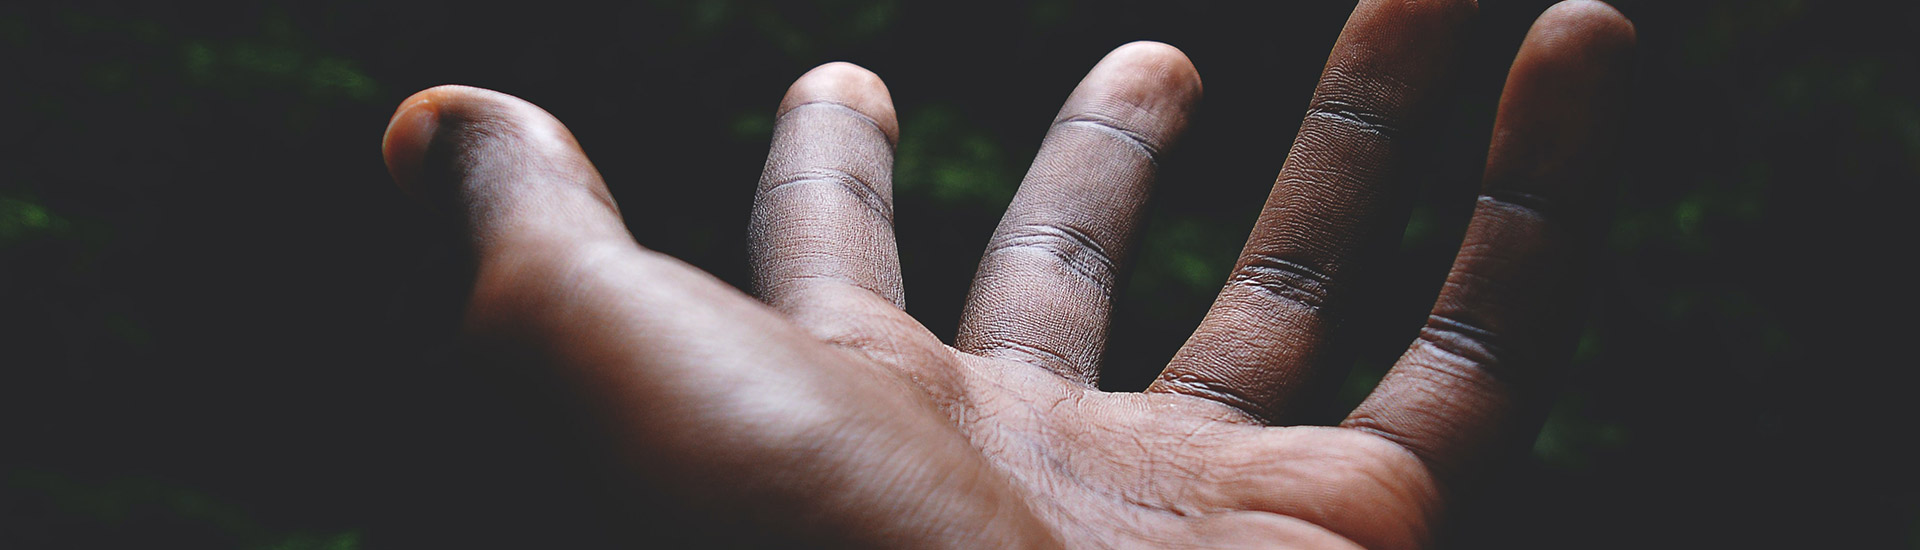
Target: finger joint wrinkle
[1197, 386]
[1354, 115]
[1532, 204]
[861, 190]
[1037, 353]
[1474, 346]
[1109, 126]
[1285, 279]
[1078, 252]
[829, 104]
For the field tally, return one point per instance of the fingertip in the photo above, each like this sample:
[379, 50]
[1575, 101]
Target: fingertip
[1561, 109]
[470, 121]
[1171, 66]
[1594, 24]
[1577, 51]
[408, 133]
[1147, 86]
[1149, 74]
[502, 164]
[848, 85]
[1444, 12]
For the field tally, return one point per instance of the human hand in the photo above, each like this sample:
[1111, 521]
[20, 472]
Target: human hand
[832, 417]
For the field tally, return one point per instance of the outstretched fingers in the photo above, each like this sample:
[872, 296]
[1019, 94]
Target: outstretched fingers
[823, 216]
[1509, 309]
[1046, 284]
[682, 388]
[1265, 338]
[823, 249]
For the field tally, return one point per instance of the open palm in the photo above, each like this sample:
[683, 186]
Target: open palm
[834, 418]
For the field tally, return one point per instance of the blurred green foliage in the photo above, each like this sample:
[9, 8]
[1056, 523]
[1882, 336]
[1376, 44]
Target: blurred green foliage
[123, 503]
[944, 159]
[22, 220]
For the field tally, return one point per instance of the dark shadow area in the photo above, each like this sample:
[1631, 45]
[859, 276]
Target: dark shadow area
[221, 325]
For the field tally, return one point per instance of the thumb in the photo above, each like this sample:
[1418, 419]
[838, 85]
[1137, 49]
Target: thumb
[509, 171]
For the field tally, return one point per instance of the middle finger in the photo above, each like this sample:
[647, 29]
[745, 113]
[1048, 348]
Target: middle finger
[1045, 287]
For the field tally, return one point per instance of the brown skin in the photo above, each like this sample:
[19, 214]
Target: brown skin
[827, 415]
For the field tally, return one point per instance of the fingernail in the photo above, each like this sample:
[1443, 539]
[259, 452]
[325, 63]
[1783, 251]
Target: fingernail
[405, 145]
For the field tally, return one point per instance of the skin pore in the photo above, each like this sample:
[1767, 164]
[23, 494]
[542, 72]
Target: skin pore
[821, 413]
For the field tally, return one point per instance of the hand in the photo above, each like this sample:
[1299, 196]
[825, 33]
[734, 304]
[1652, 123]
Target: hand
[829, 416]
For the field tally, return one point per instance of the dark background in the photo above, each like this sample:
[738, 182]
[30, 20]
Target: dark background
[219, 322]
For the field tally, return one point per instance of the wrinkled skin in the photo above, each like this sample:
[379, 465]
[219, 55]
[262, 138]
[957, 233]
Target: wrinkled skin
[823, 414]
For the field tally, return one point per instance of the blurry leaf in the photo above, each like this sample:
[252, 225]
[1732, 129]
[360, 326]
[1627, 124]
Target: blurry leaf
[1573, 437]
[118, 503]
[1190, 254]
[22, 219]
[944, 157]
[1589, 347]
[755, 127]
[873, 17]
[707, 14]
[1687, 215]
[1419, 227]
[198, 59]
[332, 75]
[1047, 13]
